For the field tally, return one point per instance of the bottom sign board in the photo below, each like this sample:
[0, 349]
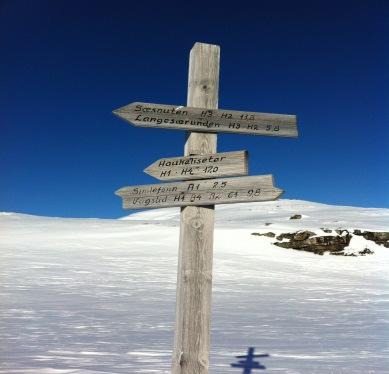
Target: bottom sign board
[200, 192]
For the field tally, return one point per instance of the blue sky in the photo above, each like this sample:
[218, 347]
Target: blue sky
[65, 65]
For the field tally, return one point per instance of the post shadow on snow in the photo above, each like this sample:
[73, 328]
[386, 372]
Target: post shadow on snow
[248, 363]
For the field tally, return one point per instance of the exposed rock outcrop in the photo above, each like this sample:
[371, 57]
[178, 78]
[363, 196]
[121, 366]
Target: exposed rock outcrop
[296, 216]
[307, 241]
[299, 235]
[381, 238]
[335, 244]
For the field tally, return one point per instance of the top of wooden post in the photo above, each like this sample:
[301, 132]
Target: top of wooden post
[203, 92]
[203, 80]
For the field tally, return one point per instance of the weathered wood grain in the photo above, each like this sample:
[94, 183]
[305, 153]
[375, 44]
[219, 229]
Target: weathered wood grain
[195, 255]
[208, 120]
[226, 164]
[200, 192]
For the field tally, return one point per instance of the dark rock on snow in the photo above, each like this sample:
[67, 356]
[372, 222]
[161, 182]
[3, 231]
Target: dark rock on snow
[268, 234]
[381, 238]
[366, 251]
[334, 244]
[285, 236]
[296, 216]
[304, 241]
[341, 231]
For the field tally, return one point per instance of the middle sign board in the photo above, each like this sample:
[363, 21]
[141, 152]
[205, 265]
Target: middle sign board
[226, 164]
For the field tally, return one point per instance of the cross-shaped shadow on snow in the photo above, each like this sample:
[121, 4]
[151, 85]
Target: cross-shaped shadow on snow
[248, 362]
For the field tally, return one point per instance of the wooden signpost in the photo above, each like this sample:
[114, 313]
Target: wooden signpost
[207, 120]
[203, 168]
[226, 164]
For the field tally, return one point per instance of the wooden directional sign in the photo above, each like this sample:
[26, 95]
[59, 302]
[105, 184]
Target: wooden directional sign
[200, 192]
[225, 164]
[208, 120]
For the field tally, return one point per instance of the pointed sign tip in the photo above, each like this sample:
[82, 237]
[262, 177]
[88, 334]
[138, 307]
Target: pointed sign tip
[296, 133]
[147, 170]
[120, 112]
[118, 192]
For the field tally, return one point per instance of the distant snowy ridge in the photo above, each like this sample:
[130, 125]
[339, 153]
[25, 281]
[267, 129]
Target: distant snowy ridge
[317, 224]
[300, 225]
[296, 224]
[278, 213]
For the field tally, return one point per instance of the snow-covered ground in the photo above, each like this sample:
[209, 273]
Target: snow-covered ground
[83, 296]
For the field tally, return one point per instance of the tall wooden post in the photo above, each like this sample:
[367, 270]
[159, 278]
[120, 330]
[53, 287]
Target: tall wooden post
[194, 277]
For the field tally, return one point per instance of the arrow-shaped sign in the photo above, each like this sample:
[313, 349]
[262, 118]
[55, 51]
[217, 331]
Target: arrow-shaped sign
[208, 120]
[225, 164]
[200, 192]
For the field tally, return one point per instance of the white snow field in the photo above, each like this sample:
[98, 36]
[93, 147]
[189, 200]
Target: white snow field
[83, 296]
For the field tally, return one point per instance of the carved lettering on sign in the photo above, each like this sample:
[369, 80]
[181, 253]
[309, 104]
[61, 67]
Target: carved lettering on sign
[200, 167]
[200, 192]
[208, 120]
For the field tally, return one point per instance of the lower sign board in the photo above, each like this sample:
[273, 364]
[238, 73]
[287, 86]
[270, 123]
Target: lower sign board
[225, 164]
[200, 192]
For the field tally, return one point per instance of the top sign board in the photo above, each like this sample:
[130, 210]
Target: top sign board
[208, 120]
